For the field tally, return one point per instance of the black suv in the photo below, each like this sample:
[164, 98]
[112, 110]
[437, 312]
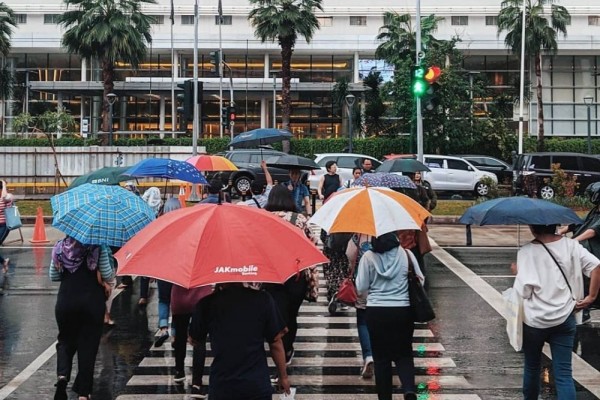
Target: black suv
[248, 162]
[585, 167]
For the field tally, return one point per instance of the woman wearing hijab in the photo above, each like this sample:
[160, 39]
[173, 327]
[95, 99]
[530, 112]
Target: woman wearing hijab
[85, 277]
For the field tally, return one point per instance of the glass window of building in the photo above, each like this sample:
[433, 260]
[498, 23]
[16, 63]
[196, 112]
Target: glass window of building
[51, 18]
[227, 20]
[187, 20]
[158, 19]
[325, 21]
[460, 20]
[594, 20]
[21, 18]
[358, 20]
[491, 20]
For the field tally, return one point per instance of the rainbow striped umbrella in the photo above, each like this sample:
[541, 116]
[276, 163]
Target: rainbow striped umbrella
[370, 210]
[211, 163]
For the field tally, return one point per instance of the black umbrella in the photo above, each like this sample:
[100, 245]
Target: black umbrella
[291, 162]
[403, 165]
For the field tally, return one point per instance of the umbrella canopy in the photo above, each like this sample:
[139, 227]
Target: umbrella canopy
[166, 168]
[100, 214]
[291, 162]
[259, 137]
[518, 210]
[213, 243]
[211, 163]
[102, 176]
[383, 179]
[371, 210]
[402, 165]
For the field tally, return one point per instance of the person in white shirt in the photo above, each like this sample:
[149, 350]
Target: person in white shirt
[552, 292]
[260, 200]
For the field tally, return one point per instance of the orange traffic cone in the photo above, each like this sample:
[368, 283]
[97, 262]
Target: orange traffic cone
[182, 200]
[39, 231]
[188, 191]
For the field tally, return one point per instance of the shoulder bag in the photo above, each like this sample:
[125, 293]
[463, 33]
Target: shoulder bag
[558, 265]
[421, 307]
[13, 218]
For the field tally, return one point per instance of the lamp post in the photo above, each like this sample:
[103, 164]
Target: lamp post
[111, 98]
[350, 99]
[588, 100]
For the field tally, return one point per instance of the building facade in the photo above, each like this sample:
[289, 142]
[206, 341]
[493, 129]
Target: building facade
[344, 46]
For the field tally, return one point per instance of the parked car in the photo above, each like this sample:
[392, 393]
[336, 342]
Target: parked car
[502, 170]
[345, 163]
[585, 167]
[454, 174]
[248, 161]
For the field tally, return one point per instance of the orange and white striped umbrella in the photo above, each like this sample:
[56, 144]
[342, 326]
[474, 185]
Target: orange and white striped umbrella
[211, 163]
[372, 211]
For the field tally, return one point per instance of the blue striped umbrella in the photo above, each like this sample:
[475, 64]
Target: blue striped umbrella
[99, 214]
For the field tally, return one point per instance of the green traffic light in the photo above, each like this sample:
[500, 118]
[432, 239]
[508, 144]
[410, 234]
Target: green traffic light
[419, 88]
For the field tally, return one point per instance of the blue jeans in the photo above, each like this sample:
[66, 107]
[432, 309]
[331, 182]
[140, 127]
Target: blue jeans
[363, 333]
[3, 233]
[164, 303]
[561, 339]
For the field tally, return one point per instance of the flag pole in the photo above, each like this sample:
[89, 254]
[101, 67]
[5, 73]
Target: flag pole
[173, 99]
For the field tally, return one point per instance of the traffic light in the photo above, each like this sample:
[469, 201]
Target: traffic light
[431, 100]
[231, 115]
[433, 74]
[225, 117]
[418, 84]
[187, 99]
[215, 60]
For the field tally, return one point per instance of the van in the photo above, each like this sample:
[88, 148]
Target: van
[584, 166]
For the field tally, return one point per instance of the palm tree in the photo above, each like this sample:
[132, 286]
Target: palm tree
[7, 23]
[400, 39]
[541, 30]
[109, 31]
[285, 21]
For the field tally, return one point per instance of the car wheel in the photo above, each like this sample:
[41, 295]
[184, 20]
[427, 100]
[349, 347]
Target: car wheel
[481, 189]
[547, 192]
[243, 184]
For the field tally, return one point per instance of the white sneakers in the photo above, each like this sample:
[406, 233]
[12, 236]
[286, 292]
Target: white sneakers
[368, 368]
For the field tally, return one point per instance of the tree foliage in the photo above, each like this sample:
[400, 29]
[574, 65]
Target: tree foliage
[7, 23]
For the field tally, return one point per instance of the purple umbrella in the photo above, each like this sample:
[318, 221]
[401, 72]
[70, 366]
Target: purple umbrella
[383, 179]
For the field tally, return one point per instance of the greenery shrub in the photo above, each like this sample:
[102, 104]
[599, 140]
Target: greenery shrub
[492, 184]
[564, 184]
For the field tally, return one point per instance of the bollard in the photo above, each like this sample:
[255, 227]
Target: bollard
[244, 195]
[313, 200]
[469, 238]
[229, 188]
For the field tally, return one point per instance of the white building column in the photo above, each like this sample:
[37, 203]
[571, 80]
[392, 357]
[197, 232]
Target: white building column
[175, 66]
[264, 112]
[161, 120]
[356, 74]
[267, 61]
[83, 70]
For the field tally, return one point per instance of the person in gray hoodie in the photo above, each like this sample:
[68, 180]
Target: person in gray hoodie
[383, 272]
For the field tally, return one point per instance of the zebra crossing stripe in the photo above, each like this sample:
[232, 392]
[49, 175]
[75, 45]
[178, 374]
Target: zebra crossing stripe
[309, 397]
[325, 346]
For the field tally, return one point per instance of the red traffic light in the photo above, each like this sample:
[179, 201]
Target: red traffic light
[433, 74]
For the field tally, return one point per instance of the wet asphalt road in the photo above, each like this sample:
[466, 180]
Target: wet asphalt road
[472, 333]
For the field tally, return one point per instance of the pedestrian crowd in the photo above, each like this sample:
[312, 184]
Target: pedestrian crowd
[555, 276]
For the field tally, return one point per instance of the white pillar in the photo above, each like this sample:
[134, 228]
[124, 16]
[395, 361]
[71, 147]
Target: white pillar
[161, 121]
[266, 74]
[355, 71]
[264, 111]
[83, 70]
[176, 66]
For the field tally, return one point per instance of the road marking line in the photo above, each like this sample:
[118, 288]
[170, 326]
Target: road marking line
[584, 373]
[496, 276]
[32, 368]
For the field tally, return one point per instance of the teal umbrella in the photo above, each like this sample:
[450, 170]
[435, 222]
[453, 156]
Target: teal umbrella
[102, 176]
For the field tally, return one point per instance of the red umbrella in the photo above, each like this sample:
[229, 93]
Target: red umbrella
[217, 243]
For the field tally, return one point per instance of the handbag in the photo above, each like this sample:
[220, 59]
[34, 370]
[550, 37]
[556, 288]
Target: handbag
[513, 307]
[423, 241]
[347, 292]
[420, 305]
[13, 218]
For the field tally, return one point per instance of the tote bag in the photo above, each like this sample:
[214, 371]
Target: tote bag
[13, 218]
[513, 306]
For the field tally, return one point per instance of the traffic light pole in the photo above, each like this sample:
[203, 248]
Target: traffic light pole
[418, 98]
[220, 66]
[231, 101]
[196, 126]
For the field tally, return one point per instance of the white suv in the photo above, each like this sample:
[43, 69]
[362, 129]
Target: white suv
[454, 174]
[345, 163]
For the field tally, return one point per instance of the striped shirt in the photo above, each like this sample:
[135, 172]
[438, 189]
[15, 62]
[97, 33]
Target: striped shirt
[104, 265]
[4, 202]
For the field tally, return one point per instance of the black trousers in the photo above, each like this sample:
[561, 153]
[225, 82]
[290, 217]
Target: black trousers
[289, 298]
[391, 331]
[79, 312]
[181, 324]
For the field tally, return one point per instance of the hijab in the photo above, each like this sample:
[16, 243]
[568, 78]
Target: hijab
[70, 254]
[152, 198]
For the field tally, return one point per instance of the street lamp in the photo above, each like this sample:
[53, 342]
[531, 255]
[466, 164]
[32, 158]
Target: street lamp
[350, 99]
[588, 100]
[111, 98]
